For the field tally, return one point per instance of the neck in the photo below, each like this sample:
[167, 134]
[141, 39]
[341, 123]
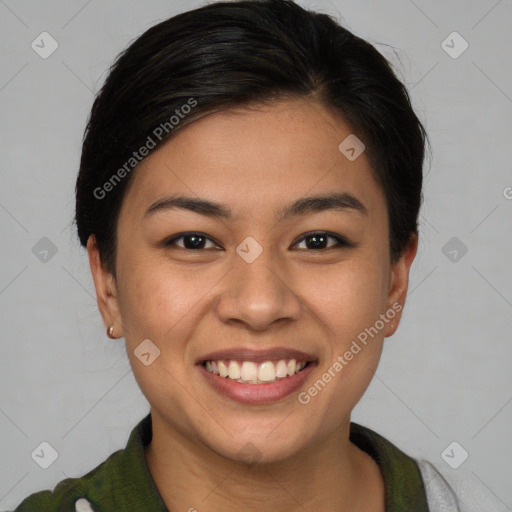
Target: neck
[332, 476]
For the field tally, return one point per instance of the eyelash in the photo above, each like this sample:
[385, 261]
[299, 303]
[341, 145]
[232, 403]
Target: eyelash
[341, 241]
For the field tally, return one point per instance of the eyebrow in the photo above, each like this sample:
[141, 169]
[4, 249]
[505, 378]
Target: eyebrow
[313, 204]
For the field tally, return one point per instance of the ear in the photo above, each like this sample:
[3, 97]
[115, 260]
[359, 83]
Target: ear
[106, 289]
[399, 282]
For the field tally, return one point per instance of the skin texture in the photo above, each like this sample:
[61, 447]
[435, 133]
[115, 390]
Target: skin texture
[189, 302]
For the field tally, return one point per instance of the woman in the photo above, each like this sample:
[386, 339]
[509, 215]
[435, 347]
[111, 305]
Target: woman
[248, 194]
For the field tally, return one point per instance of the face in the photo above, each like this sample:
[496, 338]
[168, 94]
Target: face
[258, 276]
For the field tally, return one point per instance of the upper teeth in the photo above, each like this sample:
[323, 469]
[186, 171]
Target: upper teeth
[249, 372]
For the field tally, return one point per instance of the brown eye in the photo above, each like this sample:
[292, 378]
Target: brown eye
[319, 240]
[191, 241]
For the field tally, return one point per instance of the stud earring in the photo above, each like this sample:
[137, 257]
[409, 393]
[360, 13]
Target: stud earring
[110, 332]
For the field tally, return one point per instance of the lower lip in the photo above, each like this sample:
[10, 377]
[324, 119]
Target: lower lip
[256, 393]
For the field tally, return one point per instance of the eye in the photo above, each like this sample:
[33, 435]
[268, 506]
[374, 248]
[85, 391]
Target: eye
[318, 240]
[191, 241]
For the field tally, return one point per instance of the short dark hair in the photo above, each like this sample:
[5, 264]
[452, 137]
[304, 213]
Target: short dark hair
[230, 54]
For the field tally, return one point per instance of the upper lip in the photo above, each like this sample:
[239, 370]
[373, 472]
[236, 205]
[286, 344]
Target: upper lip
[260, 355]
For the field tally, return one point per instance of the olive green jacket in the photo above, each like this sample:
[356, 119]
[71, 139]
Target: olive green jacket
[123, 483]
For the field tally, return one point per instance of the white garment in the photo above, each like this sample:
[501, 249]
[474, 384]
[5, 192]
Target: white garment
[83, 505]
[459, 495]
[440, 496]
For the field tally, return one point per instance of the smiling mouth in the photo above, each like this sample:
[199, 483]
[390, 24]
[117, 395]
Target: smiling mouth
[249, 372]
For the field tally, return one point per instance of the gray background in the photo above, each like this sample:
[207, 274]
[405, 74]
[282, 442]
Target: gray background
[444, 377]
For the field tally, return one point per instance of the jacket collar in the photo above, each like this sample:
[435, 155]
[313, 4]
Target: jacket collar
[405, 490]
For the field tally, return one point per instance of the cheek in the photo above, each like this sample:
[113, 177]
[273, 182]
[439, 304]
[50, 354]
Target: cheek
[348, 300]
[348, 296]
[162, 302]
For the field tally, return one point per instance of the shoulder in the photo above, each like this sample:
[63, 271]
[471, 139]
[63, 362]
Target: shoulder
[458, 492]
[64, 498]
[69, 494]
[440, 495]
[122, 483]
[411, 483]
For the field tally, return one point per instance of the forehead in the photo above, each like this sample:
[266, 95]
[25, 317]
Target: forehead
[251, 158]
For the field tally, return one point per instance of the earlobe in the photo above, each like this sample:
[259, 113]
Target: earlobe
[106, 289]
[399, 283]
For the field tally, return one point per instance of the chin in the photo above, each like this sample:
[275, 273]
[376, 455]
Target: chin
[259, 446]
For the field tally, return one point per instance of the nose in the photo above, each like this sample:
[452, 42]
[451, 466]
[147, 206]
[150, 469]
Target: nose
[258, 295]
